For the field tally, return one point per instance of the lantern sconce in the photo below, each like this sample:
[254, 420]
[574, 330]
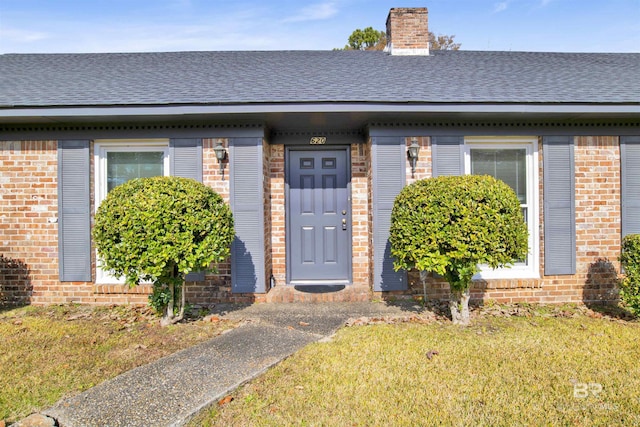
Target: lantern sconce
[221, 155]
[413, 152]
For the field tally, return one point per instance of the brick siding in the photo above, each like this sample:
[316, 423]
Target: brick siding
[28, 211]
[359, 290]
[597, 187]
[29, 233]
[407, 28]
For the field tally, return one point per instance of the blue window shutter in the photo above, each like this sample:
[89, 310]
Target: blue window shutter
[247, 204]
[389, 159]
[559, 206]
[447, 155]
[630, 171]
[185, 159]
[74, 232]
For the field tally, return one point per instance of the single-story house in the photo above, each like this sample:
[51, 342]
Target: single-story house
[314, 148]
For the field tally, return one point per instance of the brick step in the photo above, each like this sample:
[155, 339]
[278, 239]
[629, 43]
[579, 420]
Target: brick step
[319, 293]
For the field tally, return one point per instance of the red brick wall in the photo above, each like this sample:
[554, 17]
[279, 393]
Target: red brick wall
[597, 185]
[277, 208]
[360, 225]
[217, 286]
[28, 213]
[598, 213]
[29, 232]
[407, 28]
[360, 288]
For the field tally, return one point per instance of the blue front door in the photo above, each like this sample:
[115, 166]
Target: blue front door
[319, 227]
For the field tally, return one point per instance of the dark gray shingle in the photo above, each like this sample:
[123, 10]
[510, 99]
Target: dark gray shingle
[44, 80]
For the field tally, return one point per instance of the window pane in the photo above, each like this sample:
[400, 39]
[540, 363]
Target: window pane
[508, 165]
[125, 165]
[483, 162]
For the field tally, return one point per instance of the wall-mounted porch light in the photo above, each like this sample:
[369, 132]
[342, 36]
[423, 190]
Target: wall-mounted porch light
[413, 152]
[221, 155]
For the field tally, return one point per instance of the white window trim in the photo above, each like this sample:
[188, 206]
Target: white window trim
[530, 144]
[101, 148]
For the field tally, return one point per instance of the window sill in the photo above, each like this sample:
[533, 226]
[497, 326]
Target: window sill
[506, 273]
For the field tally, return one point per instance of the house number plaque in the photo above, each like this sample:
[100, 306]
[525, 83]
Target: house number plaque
[318, 140]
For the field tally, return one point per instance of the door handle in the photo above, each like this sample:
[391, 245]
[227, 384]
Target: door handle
[344, 224]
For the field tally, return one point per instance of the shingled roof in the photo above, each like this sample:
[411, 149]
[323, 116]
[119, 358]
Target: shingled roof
[290, 77]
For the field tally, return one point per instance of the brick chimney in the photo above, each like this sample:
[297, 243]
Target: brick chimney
[408, 31]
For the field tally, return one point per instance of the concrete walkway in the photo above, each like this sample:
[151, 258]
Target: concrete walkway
[170, 391]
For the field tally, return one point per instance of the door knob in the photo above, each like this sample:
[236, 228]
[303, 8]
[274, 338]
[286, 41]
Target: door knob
[344, 224]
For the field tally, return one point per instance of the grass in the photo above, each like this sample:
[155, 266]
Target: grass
[502, 371]
[50, 352]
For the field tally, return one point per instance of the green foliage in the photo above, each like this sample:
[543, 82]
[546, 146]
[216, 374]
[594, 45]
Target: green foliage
[450, 224]
[370, 39]
[630, 285]
[161, 297]
[159, 229]
[367, 39]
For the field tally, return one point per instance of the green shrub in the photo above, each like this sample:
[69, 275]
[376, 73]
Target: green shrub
[159, 229]
[451, 224]
[630, 261]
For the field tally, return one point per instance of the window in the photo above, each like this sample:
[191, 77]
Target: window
[125, 165]
[513, 160]
[119, 161]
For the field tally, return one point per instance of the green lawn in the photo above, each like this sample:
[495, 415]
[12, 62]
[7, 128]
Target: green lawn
[50, 352]
[501, 371]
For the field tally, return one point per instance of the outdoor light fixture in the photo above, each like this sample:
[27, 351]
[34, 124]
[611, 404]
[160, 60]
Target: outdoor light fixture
[414, 150]
[221, 154]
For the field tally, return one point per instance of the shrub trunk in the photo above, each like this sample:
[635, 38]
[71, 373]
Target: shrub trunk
[459, 305]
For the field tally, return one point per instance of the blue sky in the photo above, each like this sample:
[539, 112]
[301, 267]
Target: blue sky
[28, 26]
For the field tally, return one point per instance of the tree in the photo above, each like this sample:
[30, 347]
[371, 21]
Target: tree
[159, 229]
[367, 39]
[450, 225]
[370, 39]
[442, 42]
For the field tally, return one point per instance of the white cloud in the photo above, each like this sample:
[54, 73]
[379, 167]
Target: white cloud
[22, 36]
[500, 7]
[13, 40]
[315, 12]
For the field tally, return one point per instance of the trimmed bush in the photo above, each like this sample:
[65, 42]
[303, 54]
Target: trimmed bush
[159, 229]
[630, 261]
[449, 225]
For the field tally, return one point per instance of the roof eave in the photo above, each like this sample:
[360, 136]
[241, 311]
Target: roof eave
[68, 113]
